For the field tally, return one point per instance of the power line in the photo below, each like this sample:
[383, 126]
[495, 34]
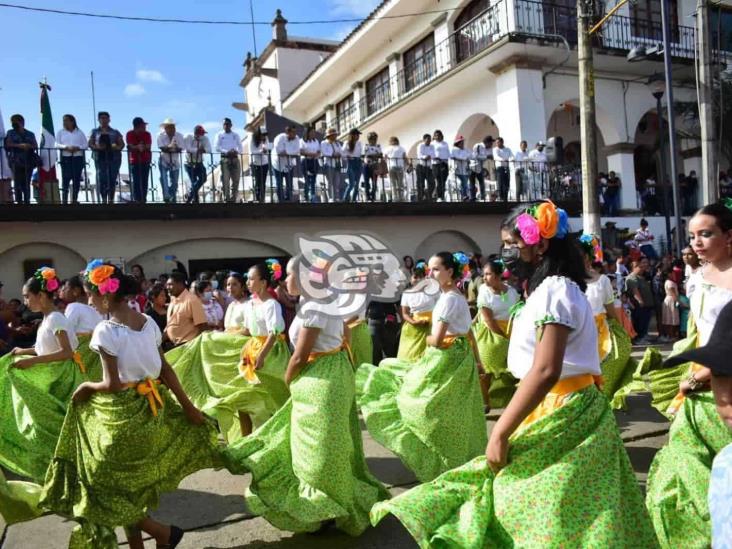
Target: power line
[213, 22]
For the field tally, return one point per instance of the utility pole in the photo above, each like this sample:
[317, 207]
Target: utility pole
[709, 179]
[588, 139]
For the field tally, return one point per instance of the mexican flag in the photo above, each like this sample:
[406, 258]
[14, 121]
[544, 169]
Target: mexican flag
[47, 152]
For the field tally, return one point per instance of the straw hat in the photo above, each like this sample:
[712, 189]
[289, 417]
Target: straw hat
[167, 122]
[331, 131]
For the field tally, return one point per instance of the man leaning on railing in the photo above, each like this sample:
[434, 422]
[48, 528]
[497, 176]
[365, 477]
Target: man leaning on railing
[197, 145]
[285, 156]
[139, 157]
[228, 143]
[171, 144]
[107, 144]
[72, 143]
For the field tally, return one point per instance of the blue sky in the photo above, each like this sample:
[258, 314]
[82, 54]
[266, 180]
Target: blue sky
[153, 70]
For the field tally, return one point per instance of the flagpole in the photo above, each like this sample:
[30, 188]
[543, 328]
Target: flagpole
[94, 102]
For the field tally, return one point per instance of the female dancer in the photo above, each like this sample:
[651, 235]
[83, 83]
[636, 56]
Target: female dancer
[36, 384]
[125, 439]
[678, 479]
[83, 319]
[417, 305]
[613, 343]
[495, 302]
[307, 462]
[264, 356]
[432, 415]
[555, 471]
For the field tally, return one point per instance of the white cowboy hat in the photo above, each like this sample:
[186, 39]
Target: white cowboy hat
[167, 122]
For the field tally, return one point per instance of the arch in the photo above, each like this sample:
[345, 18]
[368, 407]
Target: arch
[646, 156]
[564, 122]
[65, 260]
[154, 262]
[449, 240]
[607, 130]
[476, 127]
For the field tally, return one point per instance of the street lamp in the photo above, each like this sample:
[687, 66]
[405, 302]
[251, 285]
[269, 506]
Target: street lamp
[657, 85]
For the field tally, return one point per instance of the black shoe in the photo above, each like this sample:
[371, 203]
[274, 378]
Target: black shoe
[176, 534]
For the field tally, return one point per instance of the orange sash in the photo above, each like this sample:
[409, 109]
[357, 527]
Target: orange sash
[448, 341]
[604, 341]
[149, 389]
[351, 325]
[312, 357]
[249, 354]
[423, 316]
[678, 400]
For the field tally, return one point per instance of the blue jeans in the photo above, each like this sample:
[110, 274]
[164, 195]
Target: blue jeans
[641, 317]
[140, 174]
[463, 178]
[369, 182]
[355, 167]
[649, 251]
[197, 175]
[284, 193]
[169, 181]
[107, 173]
[612, 202]
[71, 168]
[259, 173]
[310, 166]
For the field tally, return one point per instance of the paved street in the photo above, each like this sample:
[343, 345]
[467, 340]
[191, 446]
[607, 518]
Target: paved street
[209, 504]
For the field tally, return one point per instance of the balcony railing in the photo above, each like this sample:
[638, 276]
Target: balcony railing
[518, 20]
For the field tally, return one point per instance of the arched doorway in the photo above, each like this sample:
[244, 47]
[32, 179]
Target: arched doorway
[476, 127]
[452, 241]
[565, 123]
[646, 155]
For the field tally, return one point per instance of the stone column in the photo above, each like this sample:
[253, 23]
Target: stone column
[395, 77]
[621, 161]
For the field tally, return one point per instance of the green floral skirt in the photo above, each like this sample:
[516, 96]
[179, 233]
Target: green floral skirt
[413, 341]
[362, 349]
[92, 361]
[618, 367]
[18, 500]
[429, 414]
[207, 368]
[115, 458]
[568, 483]
[307, 461]
[33, 404]
[678, 480]
[493, 350]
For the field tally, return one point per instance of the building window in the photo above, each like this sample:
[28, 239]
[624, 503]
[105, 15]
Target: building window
[474, 29]
[377, 91]
[560, 17]
[419, 63]
[645, 19]
[345, 114]
[720, 22]
[319, 124]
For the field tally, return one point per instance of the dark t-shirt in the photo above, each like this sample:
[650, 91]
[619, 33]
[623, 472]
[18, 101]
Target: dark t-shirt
[635, 282]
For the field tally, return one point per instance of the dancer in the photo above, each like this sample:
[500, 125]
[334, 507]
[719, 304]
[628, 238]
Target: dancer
[496, 299]
[555, 470]
[125, 439]
[417, 304]
[36, 384]
[678, 479]
[307, 462]
[83, 319]
[613, 342]
[432, 415]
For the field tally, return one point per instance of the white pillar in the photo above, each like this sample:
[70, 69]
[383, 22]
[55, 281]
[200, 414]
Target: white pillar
[359, 101]
[443, 49]
[620, 160]
[395, 66]
[330, 115]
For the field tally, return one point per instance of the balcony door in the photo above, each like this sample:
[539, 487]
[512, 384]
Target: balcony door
[472, 30]
[560, 17]
[645, 19]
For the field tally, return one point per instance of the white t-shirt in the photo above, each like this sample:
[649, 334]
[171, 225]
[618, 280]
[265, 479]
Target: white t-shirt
[395, 156]
[600, 293]
[82, 318]
[137, 353]
[265, 318]
[357, 151]
[557, 300]
[499, 304]
[706, 302]
[419, 302]
[214, 312]
[331, 331]
[46, 342]
[235, 315]
[452, 309]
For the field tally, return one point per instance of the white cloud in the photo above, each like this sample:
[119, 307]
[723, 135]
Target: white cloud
[134, 90]
[355, 8]
[212, 125]
[151, 75]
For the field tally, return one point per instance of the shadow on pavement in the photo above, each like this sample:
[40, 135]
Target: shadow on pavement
[193, 509]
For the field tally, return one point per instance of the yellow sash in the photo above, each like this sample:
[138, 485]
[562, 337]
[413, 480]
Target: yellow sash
[678, 400]
[249, 354]
[423, 316]
[604, 339]
[351, 325]
[149, 389]
[312, 357]
[557, 396]
[77, 355]
[447, 341]
[503, 325]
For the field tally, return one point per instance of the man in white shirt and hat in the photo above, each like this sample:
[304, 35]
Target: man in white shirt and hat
[330, 155]
[502, 156]
[197, 146]
[538, 171]
[171, 144]
[285, 156]
[228, 143]
[460, 158]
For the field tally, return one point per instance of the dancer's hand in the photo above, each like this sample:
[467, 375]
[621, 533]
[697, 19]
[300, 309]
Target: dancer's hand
[83, 393]
[194, 415]
[24, 363]
[497, 452]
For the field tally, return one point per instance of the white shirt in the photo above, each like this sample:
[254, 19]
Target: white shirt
[460, 159]
[191, 147]
[226, 142]
[285, 152]
[478, 157]
[330, 152]
[82, 318]
[502, 156]
[214, 312]
[138, 355]
[538, 160]
[557, 300]
[371, 152]
[235, 315]
[357, 151]
[309, 147]
[643, 237]
[395, 156]
[46, 342]
[331, 331]
[442, 150]
[264, 317]
[499, 304]
[705, 303]
[76, 138]
[425, 153]
[600, 293]
[521, 158]
[419, 302]
[177, 140]
[452, 309]
[259, 154]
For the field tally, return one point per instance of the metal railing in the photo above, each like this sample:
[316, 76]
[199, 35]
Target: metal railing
[518, 20]
[254, 179]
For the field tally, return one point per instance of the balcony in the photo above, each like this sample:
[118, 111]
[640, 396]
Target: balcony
[513, 21]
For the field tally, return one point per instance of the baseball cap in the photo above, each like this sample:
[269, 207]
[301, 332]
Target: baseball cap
[137, 121]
